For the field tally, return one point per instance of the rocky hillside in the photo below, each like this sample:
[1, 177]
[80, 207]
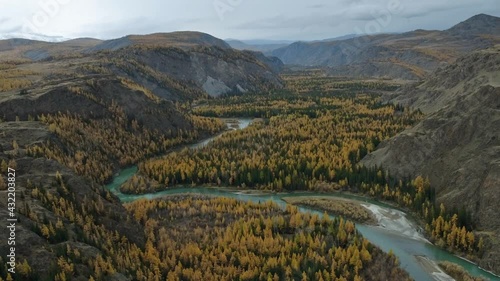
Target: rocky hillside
[206, 69]
[479, 25]
[174, 66]
[125, 100]
[411, 55]
[458, 144]
[41, 224]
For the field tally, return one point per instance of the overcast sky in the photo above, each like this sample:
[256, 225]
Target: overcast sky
[242, 19]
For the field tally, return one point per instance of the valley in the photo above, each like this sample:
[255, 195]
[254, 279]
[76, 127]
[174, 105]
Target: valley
[174, 156]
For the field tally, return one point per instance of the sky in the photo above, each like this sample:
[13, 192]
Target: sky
[239, 19]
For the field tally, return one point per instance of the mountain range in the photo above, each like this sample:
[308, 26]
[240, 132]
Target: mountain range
[411, 55]
[161, 62]
[456, 145]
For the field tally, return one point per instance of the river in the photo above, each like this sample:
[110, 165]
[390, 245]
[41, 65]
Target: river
[394, 231]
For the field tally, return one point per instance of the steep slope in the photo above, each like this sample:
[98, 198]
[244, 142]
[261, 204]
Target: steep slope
[458, 144]
[64, 213]
[92, 97]
[174, 66]
[202, 69]
[115, 121]
[410, 55]
[481, 24]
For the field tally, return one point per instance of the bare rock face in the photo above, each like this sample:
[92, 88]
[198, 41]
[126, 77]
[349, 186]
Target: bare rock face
[458, 144]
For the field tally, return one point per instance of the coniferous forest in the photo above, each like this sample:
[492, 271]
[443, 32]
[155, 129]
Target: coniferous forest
[307, 137]
[311, 136]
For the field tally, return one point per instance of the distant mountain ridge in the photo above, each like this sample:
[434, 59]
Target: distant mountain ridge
[267, 46]
[173, 66]
[243, 45]
[411, 55]
[182, 39]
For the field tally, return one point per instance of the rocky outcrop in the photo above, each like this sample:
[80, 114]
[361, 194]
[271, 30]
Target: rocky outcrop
[212, 70]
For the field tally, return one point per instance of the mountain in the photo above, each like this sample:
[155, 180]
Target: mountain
[174, 66]
[457, 145]
[181, 39]
[477, 25]
[212, 70]
[411, 55]
[267, 46]
[27, 47]
[258, 46]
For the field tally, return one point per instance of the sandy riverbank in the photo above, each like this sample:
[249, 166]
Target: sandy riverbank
[432, 268]
[390, 219]
[396, 221]
[350, 209]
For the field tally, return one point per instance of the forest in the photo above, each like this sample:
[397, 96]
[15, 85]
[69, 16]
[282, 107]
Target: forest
[289, 151]
[309, 136]
[310, 140]
[248, 241]
[97, 147]
[12, 78]
[198, 238]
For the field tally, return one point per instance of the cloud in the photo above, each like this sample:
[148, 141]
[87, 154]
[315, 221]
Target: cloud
[248, 19]
[287, 22]
[317, 6]
[4, 20]
[7, 25]
[114, 29]
[417, 11]
[12, 29]
[137, 25]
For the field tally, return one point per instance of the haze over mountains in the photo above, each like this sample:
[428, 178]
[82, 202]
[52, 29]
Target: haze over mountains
[411, 55]
[31, 36]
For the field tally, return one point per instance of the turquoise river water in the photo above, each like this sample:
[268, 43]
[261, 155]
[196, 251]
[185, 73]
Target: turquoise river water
[402, 236]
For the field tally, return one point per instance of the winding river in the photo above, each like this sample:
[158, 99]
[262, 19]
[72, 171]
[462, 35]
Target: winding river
[394, 231]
